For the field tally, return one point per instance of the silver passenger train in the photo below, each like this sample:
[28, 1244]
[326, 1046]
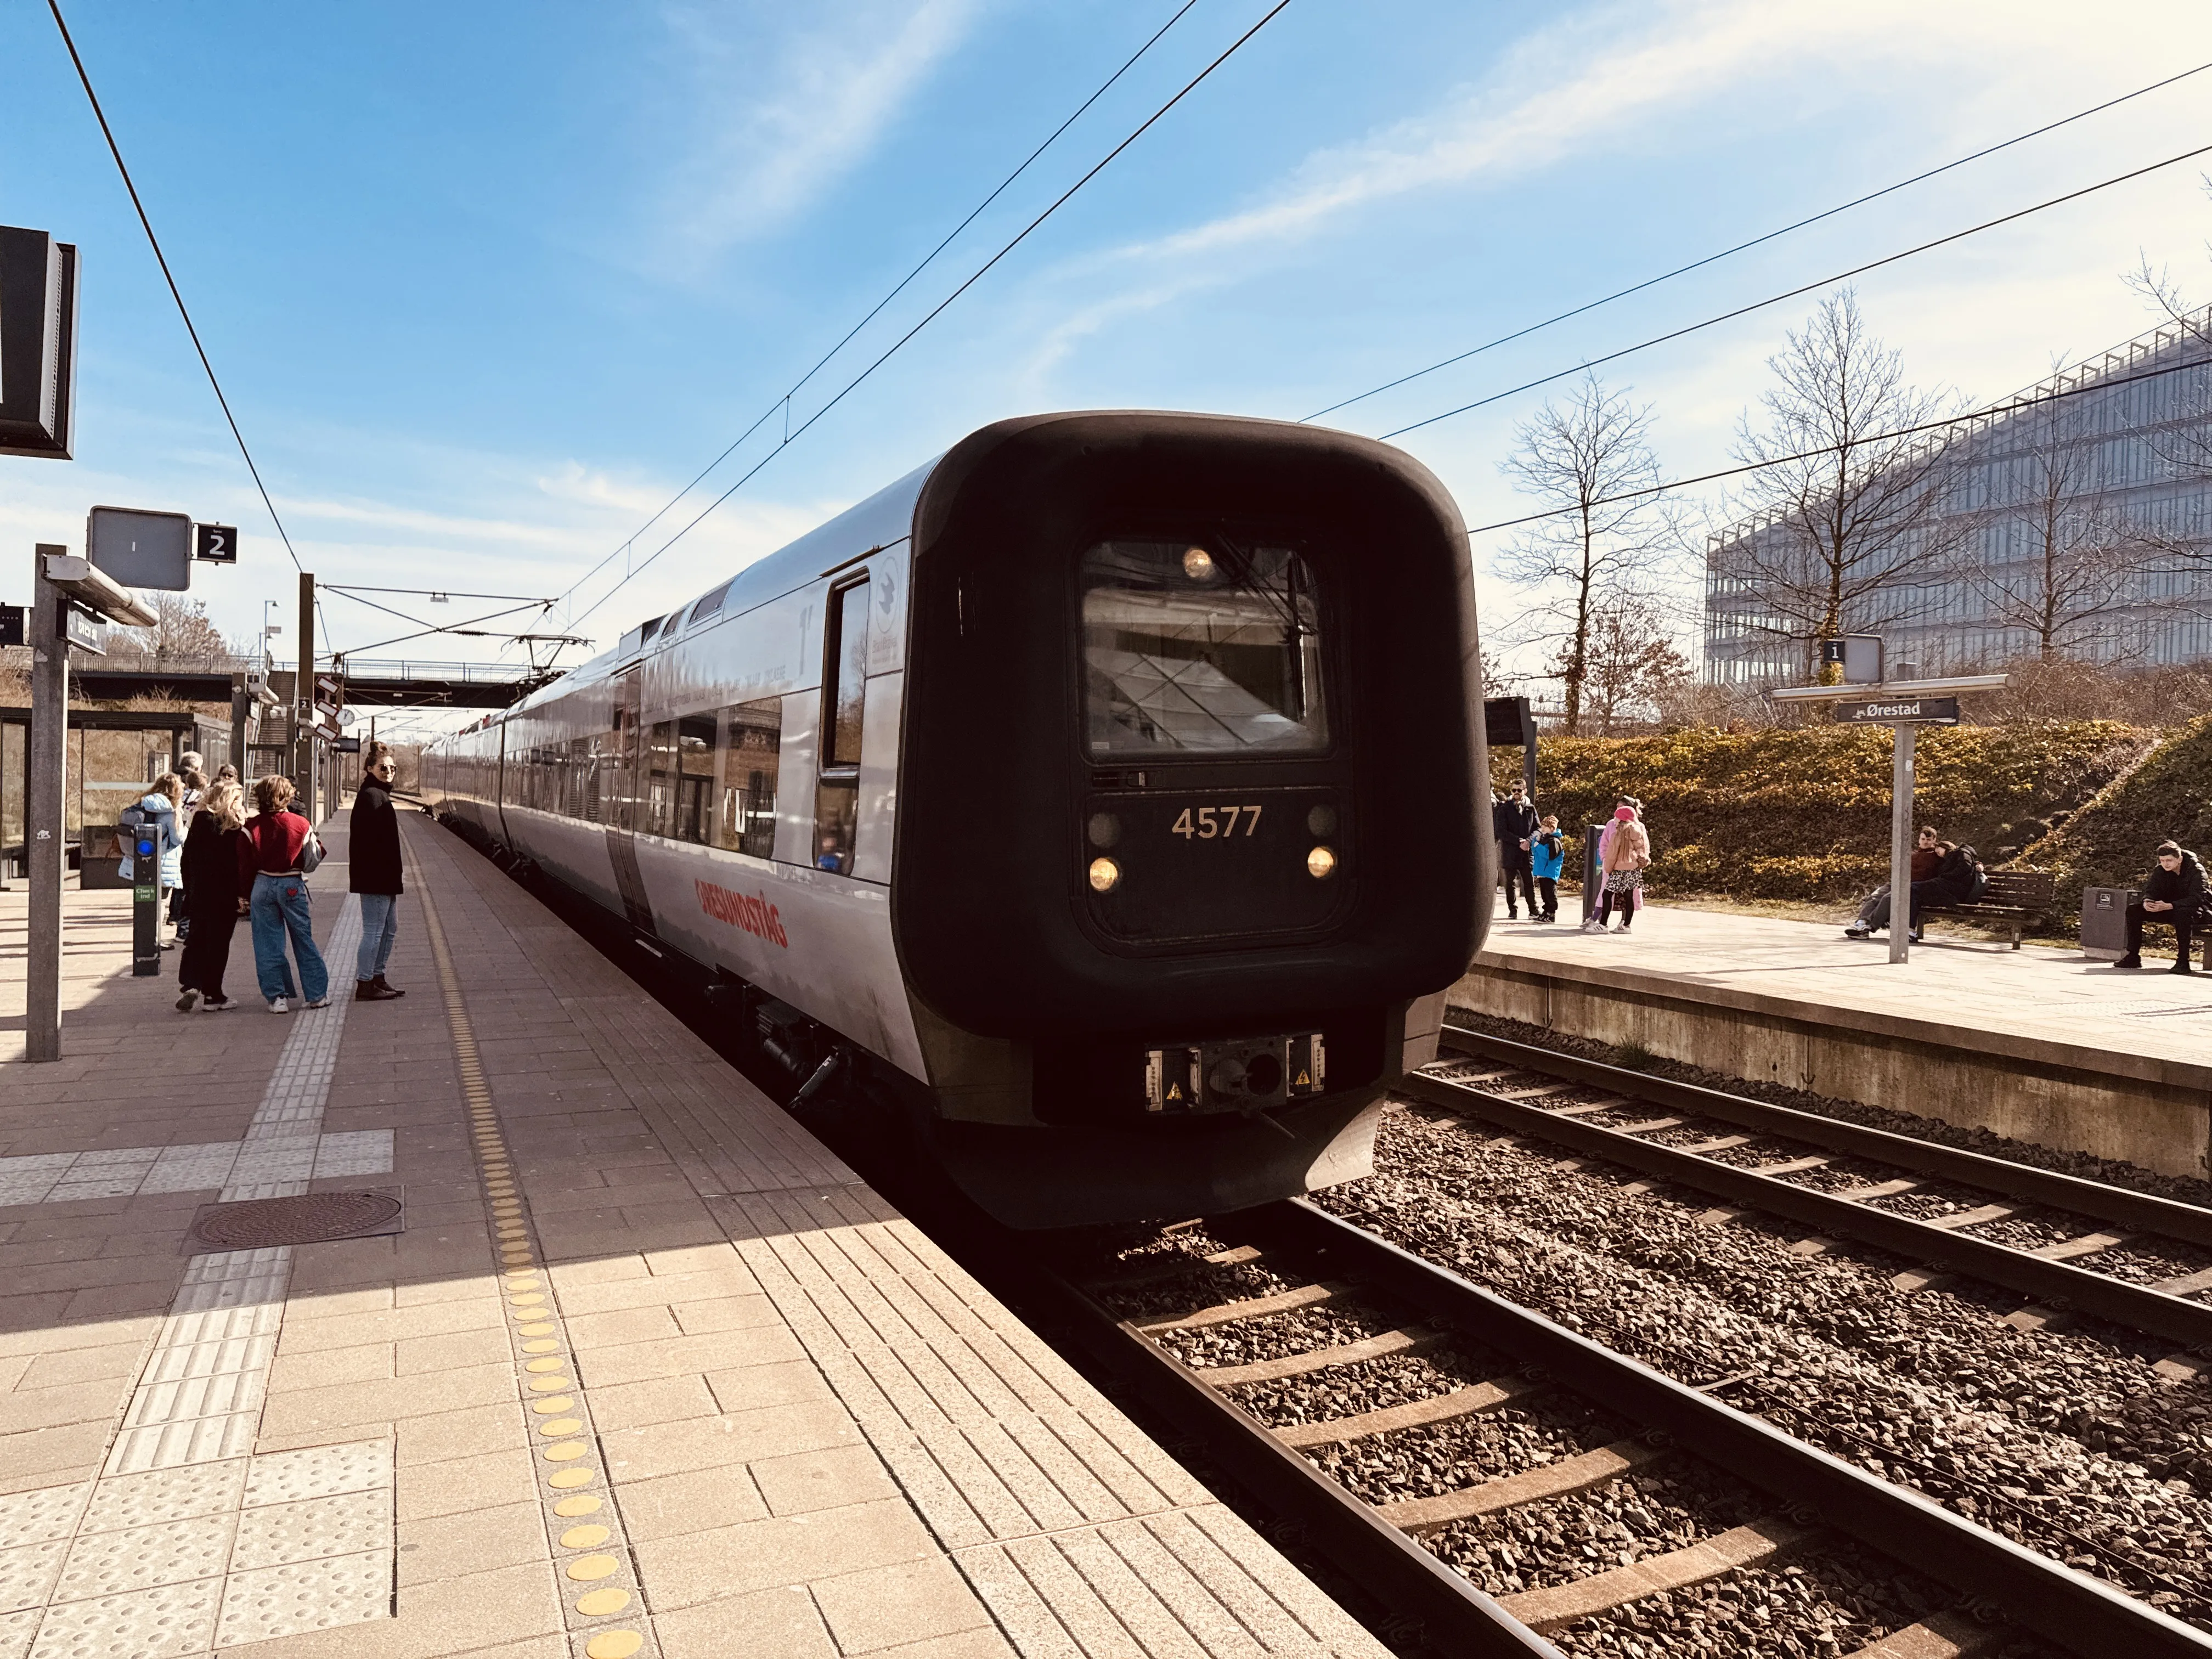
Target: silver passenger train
[1104, 797]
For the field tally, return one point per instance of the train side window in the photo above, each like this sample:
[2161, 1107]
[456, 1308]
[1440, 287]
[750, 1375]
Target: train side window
[844, 686]
[660, 778]
[751, 736]
[695, 779]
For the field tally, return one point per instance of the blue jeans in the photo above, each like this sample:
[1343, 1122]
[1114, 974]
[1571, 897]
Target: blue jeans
[379, 926]
[281, 907]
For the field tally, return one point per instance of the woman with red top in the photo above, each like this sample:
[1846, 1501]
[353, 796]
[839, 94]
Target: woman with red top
[271, 859]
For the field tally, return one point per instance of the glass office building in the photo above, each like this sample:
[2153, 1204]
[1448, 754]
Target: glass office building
[2083, 518]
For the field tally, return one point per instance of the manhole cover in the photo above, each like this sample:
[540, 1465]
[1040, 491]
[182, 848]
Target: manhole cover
[255, 1223]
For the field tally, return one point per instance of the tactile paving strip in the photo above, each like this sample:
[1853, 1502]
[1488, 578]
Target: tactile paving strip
[600, 1598]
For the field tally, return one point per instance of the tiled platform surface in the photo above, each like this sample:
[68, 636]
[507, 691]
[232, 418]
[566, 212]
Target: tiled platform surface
[814, 1435]
[2036, 1003]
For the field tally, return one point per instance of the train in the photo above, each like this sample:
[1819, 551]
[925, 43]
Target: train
[1104, 805]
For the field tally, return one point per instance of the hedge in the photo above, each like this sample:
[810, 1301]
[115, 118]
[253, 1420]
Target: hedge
[2111, 842]
[1804, 814]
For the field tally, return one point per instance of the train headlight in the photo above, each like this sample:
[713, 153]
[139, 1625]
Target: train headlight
[1105, 875]
[1320, 864]
[1198, 564]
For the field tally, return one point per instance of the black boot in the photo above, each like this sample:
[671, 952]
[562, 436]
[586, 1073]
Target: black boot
[2130, 960]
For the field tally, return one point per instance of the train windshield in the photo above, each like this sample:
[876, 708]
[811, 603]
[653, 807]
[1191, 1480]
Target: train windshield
[1200, 648]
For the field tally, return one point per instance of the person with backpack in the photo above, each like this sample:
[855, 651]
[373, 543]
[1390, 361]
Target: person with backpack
[372, 871]
[1623, 852]
[1547, 853]
[1958, 880]
[279, 853]
[156, 811]
[215, 897]
[2176, 894]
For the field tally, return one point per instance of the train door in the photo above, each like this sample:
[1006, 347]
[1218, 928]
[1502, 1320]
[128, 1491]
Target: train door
[623, 772]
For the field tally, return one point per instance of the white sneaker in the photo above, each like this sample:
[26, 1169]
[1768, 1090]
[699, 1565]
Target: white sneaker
[1593, 926]
[320, 1002]
[185, 1002]
[278, 1006]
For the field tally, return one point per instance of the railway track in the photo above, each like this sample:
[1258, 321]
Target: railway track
[2061, 1276]
[1807, 1500]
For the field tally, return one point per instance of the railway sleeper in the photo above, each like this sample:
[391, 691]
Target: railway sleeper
[1561, 1478]
[1559, 1604]
[1955, 1635]
[1414, 1415]
[1250, 1307]
[1413, 1339]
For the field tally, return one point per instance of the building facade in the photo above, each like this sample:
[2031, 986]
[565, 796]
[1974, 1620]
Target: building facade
[2076, 523]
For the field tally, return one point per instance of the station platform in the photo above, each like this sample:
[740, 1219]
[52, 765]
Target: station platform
[2040, 1044]
[640, 1368]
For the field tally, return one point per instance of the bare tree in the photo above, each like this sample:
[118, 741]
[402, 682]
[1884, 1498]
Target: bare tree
[1631, 661]
[1582, 455]
[1846, 519]
[182, 632]
[2071, 580]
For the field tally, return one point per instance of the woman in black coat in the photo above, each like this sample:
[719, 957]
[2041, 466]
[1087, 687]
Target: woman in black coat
[215, 897]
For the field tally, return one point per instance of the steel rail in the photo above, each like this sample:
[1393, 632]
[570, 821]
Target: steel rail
[1447, 1609]
[2142, 1211]
[2043, 1596]
[2055, 1284]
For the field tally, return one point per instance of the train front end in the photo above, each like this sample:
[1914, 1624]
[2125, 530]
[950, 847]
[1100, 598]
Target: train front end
[1194, 829]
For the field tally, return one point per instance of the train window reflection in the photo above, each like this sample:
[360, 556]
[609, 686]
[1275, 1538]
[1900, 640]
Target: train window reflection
[752, 733]
[847, 675]
[1200, 648]
[695, 781]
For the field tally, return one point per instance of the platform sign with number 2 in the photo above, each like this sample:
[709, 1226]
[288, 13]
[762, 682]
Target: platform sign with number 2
[215, 544]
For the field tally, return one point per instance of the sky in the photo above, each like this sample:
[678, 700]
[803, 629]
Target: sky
[487, 286]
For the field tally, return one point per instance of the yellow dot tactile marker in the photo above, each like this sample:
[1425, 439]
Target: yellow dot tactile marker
[552, 1404]
[587, 1537]
[565, 1479]
[598, 1604]
[585, 1503]
[562, 1425]
[567, 1452]
[544, 1365]
[586, 1568]
[613, 1645]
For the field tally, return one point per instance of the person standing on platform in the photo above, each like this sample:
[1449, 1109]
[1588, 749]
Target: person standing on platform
[2175, 894]
[372, 865]
[1513, 822]
[1547, 854]
[156, 811]
[274, 857]
[1623, 851]
[180, 904]
[215, 892]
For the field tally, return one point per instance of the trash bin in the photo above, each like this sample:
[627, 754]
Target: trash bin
[2104, 922]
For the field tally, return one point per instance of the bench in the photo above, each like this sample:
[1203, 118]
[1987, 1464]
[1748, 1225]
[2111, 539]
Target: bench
[2010, 899]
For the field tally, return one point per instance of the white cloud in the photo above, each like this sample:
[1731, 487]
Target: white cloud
[781, 119]
[1604, 77]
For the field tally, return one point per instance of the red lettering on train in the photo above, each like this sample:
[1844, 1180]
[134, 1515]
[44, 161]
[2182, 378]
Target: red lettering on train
[755, 915]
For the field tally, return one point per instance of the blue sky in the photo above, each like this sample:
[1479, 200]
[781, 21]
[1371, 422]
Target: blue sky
[486, 284]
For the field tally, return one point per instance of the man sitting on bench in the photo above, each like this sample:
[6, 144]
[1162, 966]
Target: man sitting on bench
[2174, 895]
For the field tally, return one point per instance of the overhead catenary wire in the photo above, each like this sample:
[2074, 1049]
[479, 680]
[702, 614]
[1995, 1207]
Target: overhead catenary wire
[782, 404]
[1803, 289]
[938, 310]
[2102, 384]
[160, 258]
[1756, 241]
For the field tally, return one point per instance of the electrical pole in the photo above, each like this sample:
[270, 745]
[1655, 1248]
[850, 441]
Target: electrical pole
[44, 821]
[303, 700]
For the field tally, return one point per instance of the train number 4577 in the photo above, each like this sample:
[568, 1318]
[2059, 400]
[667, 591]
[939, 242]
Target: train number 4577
[1210, 823]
